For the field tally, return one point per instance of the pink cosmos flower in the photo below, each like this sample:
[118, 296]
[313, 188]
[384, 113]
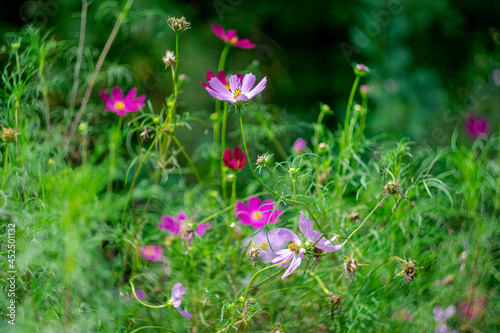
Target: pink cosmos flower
[152, 252]
[239, 90]
[267, 242]
[312, 236]
[236, 160]
[476, 126]
[257, 213]
[231, 37]
[291, 256]
[299, 145]
[221, 75]
[175, 300]
[181, 226]
[119, 105]
[472, 309]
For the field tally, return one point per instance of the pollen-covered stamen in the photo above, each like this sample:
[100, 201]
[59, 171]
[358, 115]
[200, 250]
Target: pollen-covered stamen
[119, 105]
[294, 247]
[256, 216]
[233, 40]
[237, 93]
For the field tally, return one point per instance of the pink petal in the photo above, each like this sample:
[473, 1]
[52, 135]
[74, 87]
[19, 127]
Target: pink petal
[244, 44]
[105, 97]
[177, 291]
[293, 266]
[305, 226]
[117, 94]
[202, 228]
[261, 86]
[248, 83]
[254, 204]
[130, 95]
[221, 75]
[140, 99]
[185, 314]
[169, 224]
[289, 235]
[218, 31]
[220, 88]
[230, 34]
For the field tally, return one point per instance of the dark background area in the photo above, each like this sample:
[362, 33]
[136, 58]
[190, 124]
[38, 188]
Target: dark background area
[432, 60]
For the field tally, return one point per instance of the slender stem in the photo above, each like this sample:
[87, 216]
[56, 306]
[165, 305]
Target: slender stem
[5, 161]
[223, 56]
[157, 327]
[115, 138]
[268, 278]
[346, 121]
[362, 223]
[253, 278]
[195, 170]
[223, 148]
[145, 304]
[97, 69]
[362, 121]
[321, 284]
[275, 179]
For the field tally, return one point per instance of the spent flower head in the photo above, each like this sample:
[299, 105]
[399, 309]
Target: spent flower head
[178, 24]
[409, 269]
[169, 58]
[231, 37]
[8, 134]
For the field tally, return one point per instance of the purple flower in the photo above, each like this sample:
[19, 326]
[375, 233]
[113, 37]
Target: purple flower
[476, 126]
[141, 294]
[299, 145]
[239, 90]
[236, 160]
[291, 256]
[175, 300]
[441, 316]
[257, 213]
[152, 252]
[181, 226]
[312, 236]
[119, 105]
[231, 37]
[266, 242]
[221, 75]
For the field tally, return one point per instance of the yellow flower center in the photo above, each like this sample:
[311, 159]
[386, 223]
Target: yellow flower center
[149, 251]
[237, 93]
[264, 245]
[228, 87]
[233, 40]
[257, 215]
[119, 105]
[293, 247]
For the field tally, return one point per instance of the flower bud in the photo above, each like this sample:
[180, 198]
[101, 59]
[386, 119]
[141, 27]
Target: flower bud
[292, 171]
[214, 117]
[322, 147]
[50, 162]
[156, 120]
[83, 127]
[260, 160]
[361, 70]
[364, 91]
[8, 134]
[15, 46]
[230, 177]
[391, 188]
[325, 108]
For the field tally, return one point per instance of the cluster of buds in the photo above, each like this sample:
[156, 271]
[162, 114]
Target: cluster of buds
[8, 134]
[169, 58]
[178, 24]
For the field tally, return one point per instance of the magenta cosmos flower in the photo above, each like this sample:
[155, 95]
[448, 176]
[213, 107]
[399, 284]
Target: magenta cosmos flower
[231, 37]
[175, 300]
[267, 243]
[223, 78]
[234, 161]
[119, 105]
[239, 90]
[152, 252]
[180, 225]
[476, 126]
[257, 213]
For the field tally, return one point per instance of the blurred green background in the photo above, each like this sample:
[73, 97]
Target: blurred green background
[433, 61]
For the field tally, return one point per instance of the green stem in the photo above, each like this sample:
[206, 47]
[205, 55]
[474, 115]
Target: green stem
[320, 282]
[362, 223]
[157, 327]
[347, 116]
[223, 56]
[5, 161]
[115, 138]
[195, 170]
[275, 179]
[223, 148]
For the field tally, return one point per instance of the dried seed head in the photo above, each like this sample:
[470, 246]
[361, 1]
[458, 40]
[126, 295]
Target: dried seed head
[178, 24]
[335, 299]
[409, 269]
[351, 266]
[8, 134]
[169, 58]
[254, 254]
[391, 188]
[353, 217]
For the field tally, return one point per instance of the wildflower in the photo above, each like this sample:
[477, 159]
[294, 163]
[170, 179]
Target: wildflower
[314, 237]
[476, 126]
[152, 252]
[223, 78]
[175, 299]
[291, 256]
[234, 161]
[238, 90]
[361, 70]
[231, 37]
[364, 90]
[8, 134]
[169, 58]
[119, 105]
[257, 213]
[299, 145]
[180, 225]
[178, 24]
[472, 309]
[264, 244]
[441, 316]
[409, 269]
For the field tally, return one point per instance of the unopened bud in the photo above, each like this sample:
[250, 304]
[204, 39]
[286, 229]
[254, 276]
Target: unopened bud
[178, 24]
[83, 127]
[51, 162]
[230, 177]
[361, 70]
[15, 46]
[325, 108]
[322, 147]
[364, 91]
[292, 171]
[214, 117]
[8, 134]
